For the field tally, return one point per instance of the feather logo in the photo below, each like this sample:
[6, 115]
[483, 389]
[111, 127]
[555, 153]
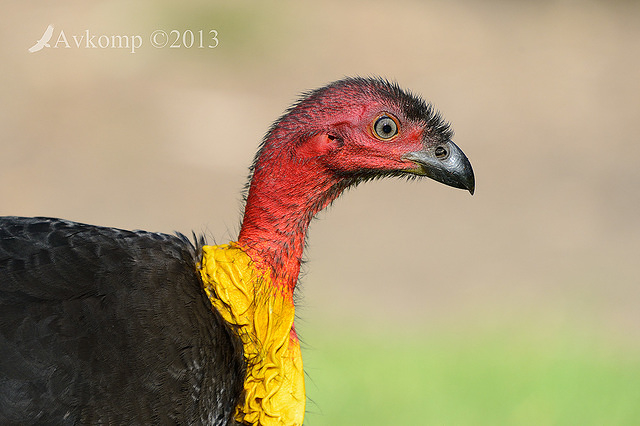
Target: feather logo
[44, 40]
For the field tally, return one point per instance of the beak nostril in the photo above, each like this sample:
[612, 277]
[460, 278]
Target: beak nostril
[441, 153]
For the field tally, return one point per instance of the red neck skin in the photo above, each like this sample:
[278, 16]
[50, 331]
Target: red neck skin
[289, 186]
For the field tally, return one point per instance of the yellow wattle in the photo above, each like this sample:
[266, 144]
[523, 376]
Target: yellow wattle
[246, 297]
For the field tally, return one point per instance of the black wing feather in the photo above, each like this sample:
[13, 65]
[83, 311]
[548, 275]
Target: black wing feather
[101, 325]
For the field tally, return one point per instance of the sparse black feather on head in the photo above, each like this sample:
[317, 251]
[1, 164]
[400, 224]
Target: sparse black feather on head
[297, 118]
[414, 107]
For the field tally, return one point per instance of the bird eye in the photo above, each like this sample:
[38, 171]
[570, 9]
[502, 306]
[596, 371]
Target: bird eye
[385, 127]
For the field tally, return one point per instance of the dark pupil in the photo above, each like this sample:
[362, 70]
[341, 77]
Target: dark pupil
[386, 128]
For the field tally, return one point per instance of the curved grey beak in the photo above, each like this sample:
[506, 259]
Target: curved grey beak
[446, 163]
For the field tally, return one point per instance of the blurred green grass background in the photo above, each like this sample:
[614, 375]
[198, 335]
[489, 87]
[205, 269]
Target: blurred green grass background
[501, 376]
[420, 304]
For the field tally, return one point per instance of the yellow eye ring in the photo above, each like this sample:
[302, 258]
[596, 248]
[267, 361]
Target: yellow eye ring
[385, 127]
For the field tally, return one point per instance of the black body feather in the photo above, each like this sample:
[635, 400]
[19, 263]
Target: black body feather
[106, 326]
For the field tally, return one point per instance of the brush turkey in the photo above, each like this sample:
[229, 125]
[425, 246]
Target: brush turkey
[107, 326]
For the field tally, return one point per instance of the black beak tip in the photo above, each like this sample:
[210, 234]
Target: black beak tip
[464, 180]
[470, 184]
[463, 170]
[460, 171]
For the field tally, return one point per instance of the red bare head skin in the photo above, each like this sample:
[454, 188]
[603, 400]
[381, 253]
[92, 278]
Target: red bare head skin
[352, 130]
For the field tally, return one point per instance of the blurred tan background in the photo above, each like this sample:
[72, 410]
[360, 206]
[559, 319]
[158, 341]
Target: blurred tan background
[544, 98]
